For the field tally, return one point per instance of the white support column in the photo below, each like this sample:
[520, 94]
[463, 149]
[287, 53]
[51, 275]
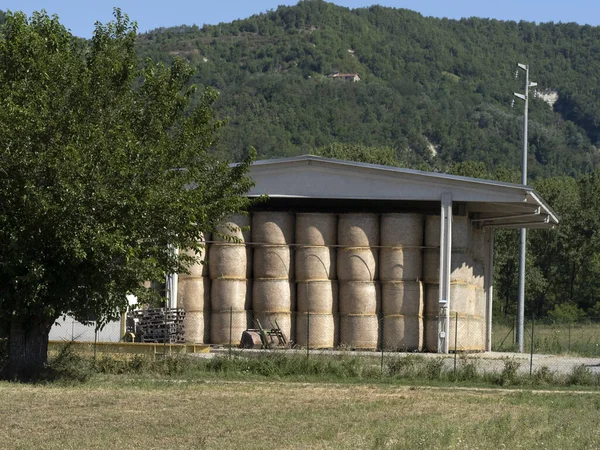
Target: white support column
[445, 269]
[489, 286]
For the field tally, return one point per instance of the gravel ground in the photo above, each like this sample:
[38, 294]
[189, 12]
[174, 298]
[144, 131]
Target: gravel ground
[486, 361]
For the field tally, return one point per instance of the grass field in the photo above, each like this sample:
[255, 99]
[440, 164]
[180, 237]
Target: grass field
[122, 412]
[579, 338]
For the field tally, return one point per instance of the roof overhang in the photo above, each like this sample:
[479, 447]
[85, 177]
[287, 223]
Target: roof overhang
[490, 203]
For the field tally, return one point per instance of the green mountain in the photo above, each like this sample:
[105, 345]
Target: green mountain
[435, 90]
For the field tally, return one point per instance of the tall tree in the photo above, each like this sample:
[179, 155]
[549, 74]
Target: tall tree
[104, 169]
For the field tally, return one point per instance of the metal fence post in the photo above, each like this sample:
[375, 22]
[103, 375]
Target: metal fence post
[307, 334]
[532, 336]
[381, 344]
[230, 329]
[455, 343]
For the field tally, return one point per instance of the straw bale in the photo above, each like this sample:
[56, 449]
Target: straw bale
[315, 263]
[479, 309]
[272, 295]
[316, 229]
[219, 326]
[478, 244]
[432, 231]
[397, 264]
[470, 336]
[357, 264]
[358, 230]
[402, 298]
[196, 327]
[461, 266]
[273, 261]
[404, 333]
[461, 232]
[228, 261]
[317, 297]
[402, 230]
[273, 227]
[359, 297]
[200, 268]
[359, 331]
[236, 226]
[226, 293]
[272, 319]
[430, 324]
[193, 294]
[464, 299]
[321, 330]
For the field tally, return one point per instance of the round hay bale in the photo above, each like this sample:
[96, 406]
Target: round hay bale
[358, 230]
[321, 330]
[470, 336]
[478, 274]
[432, 231]
[273, 261]
[220, 326]
[316, 229]
[461, 266]
[272, 295]
[462, 299]
[273, 227]
[200, 268]
[359, 331]
[478, 244]
[270, 319]
[196, 326]
[315, 263]
[430, 324]
[236, 226]
[461, 232]
[359, 297]
[193, 294]
[397, 264]
[403, 333]
[402, 230]
[317, 297]
[479, 309]
[402, 298]
[228, 261]
[226, 293]
[357, 264]
[431, 293]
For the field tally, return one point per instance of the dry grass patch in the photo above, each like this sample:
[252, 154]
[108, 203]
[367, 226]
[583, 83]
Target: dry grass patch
[290, 415]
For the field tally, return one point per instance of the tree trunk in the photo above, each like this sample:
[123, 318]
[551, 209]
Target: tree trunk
[27, 347]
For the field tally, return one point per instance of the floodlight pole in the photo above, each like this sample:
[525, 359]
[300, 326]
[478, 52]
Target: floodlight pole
[523, 234]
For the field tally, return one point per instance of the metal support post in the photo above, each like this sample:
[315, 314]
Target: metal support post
[523, 235]
[445, 269]
[489, 286]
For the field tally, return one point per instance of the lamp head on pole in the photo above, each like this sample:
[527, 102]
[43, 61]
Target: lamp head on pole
[522, 66]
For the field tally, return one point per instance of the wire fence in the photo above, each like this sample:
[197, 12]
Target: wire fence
[549, 346]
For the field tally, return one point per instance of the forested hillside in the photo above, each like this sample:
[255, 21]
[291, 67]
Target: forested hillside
[437, 91]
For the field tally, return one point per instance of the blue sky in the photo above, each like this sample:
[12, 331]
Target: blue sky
[79, 15]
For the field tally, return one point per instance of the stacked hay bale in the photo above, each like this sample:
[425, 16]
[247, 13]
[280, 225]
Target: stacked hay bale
[401, 267]
[230, 271]
[478, 325]
[273, 291]
[317, 290]
[193, 295]
[359, 293]
[463, 299]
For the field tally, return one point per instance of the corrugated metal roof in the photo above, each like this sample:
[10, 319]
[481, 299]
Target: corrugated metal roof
[285, 177]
